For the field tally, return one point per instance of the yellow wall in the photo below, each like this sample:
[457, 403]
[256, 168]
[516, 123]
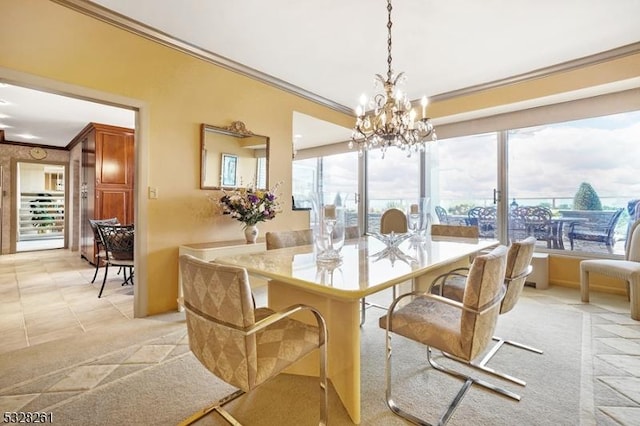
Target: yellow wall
[43, 39]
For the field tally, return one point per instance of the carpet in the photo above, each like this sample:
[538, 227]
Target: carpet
[144, 374]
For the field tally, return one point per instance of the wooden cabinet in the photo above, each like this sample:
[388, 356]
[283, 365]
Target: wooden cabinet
[106, 184]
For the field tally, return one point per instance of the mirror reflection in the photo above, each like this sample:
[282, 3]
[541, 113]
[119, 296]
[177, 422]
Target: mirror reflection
[233, 157]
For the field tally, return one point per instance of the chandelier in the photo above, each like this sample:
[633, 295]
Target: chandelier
[391, 120]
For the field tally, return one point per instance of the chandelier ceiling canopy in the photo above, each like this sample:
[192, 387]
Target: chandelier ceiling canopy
[388, 118]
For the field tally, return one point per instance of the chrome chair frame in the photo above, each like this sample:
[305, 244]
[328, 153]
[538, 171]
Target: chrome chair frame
[481, 365]
[468, 380]
[258, 326]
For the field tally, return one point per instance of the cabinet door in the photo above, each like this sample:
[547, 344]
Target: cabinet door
[115, 203]
[114, 159]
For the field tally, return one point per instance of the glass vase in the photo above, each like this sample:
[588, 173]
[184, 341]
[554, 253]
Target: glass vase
[328, 225]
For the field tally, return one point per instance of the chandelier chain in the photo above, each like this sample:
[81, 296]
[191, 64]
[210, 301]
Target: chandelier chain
[389, 25]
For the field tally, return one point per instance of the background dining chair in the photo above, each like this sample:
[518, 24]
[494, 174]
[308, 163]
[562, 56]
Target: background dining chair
[242, 345]
[118, 241]
[458, 231]
[282, 239]
[463, 329]
[101, 254]
[452, 286]
[627, 270]
[393, 220]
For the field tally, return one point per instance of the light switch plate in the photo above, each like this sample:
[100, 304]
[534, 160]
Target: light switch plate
[153, 193]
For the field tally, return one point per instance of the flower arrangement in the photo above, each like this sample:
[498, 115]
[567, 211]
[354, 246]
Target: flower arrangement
[249, 205]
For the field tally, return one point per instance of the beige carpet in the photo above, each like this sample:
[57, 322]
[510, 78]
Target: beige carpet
[144, 374]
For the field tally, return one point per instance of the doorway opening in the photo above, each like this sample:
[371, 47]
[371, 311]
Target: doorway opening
[41, 206]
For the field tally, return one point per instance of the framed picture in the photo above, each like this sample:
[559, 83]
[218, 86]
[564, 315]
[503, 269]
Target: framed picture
[229, 169]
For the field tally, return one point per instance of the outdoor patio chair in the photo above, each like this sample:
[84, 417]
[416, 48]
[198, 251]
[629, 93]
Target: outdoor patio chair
[244, 346]
[485, 218]
[596, 231]
[443, 216]
[460, 328]
[536, 221]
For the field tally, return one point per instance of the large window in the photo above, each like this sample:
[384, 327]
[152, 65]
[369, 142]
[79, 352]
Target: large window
[463, 174]
[392, 181]
[512, 176]
[593, 162]
[332, 178]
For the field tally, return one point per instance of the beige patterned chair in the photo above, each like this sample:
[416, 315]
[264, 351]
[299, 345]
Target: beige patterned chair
[463, 329]
[282, 239]
[451, 285]
[627, 270]
[458, 231]
[238, 343]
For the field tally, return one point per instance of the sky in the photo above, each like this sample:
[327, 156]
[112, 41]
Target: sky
[544, 161]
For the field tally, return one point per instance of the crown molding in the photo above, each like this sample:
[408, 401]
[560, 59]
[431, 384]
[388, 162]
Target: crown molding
[98, 12]
[113, 18]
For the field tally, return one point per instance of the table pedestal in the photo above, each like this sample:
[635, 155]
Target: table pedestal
[343, 348]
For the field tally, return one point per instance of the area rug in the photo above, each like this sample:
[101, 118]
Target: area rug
[144, 374]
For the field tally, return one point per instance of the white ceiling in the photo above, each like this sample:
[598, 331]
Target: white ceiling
[332, 48]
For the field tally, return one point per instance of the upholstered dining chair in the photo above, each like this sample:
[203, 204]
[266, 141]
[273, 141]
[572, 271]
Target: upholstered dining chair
[458, 231]
[627, 270]
[118, 241]
[101, 254]
[452, 286]
[241, 345]
[393, 220]
[461, 328]
[282, 239]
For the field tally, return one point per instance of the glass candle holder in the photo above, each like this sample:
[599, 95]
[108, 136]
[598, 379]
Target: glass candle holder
[328, 224]
[419, 218]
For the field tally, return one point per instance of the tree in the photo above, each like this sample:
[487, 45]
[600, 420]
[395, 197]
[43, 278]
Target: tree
[586, 198]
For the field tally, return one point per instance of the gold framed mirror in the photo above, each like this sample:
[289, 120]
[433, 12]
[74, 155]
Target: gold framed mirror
[233, 157]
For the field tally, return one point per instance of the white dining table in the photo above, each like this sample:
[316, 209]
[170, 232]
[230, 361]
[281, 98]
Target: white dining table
[335, 290]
